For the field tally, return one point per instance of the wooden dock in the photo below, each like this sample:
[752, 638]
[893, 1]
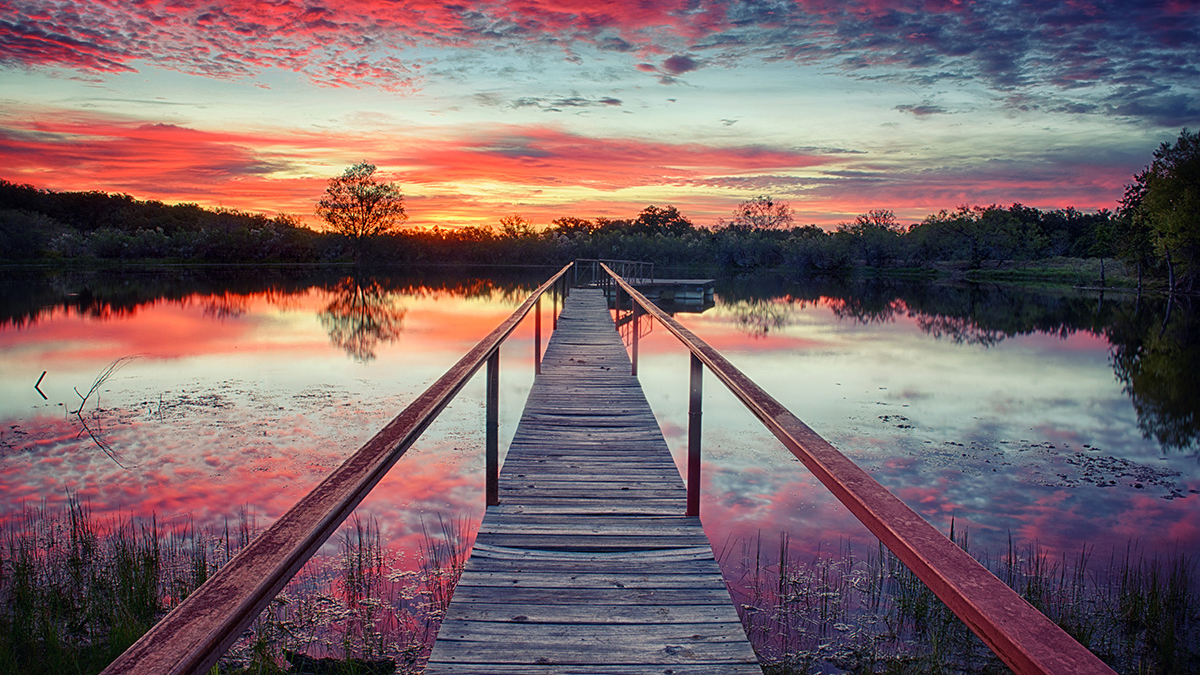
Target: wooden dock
[672, 295]
[588, 564]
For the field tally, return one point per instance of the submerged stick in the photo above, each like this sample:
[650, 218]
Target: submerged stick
[83, 399]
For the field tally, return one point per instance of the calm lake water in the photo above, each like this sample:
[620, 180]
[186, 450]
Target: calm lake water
[1060, 418]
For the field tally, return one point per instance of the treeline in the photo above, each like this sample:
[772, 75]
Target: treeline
[43, 224]
[1155, 232]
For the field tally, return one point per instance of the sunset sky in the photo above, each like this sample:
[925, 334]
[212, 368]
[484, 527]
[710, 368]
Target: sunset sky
[595, 107]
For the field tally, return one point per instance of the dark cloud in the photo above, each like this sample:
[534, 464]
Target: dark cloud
[1110, 57]
[1086, 50]
[1168, 109]
[679, 64]
[923, 109]
[548, 104]
[616, 44]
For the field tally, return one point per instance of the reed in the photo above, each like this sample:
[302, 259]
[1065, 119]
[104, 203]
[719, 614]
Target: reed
[842, 612]
[76, 591]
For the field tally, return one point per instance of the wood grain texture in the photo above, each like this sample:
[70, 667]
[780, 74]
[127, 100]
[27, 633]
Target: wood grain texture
[588, 564]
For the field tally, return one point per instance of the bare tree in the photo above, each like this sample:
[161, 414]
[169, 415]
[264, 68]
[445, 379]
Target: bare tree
[360, 207]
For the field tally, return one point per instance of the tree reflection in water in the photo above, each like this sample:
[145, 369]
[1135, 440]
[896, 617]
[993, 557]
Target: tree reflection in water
[1156, 356]
[1154, 342]
[361, 315]
[758, 317]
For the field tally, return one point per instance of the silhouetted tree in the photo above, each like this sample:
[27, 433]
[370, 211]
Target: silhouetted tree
[1166, 197]
[571, 225]
[1133, 238]
[653, 220]
[762, 213]
[516, 226]
[360, 207]
[876, 236]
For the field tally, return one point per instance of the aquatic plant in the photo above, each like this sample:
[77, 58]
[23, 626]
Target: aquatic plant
[843, 612]
[76, 591]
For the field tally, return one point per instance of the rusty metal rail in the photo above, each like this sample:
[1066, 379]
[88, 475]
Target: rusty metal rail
[1019, 634]
[200, 629]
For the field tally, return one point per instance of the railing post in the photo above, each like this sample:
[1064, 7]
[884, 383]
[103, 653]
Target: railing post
[554, 309]
[537, 336]
[492, 434]
[634, 358]
[695, 398]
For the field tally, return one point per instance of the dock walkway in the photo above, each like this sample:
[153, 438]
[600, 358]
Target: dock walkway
[588, 564]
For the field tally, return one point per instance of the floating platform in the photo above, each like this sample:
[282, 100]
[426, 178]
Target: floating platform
[672, 295]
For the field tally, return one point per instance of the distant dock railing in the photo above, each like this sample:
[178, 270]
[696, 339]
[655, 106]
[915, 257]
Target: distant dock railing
[1018, 633]
[194, 635]
[590, 271]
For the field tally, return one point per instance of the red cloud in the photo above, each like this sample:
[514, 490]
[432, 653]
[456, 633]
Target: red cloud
[67, 150]
[544, 156]
[354, 44]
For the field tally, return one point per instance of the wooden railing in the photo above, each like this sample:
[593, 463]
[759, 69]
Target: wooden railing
[590, 271]
[1021, 636]
[194, 635]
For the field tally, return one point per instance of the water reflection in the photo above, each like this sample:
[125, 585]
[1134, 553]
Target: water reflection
[1154, 346]
[994, 405]
[759, 317]
[1156, 356]
[360, 315]
[1155, 349]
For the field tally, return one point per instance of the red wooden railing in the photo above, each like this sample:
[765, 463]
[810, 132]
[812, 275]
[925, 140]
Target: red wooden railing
[194, 635]
[1019, 634]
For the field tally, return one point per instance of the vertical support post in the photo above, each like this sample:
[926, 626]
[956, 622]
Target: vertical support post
[636, 314]
[537, 336]
[554, 309]
[695, 398]
[492, 431]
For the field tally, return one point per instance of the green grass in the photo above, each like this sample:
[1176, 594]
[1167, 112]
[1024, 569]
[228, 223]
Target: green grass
[869, 614]
[75, 592]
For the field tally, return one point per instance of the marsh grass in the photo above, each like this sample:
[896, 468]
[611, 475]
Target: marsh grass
[76, 591]
[845, 612]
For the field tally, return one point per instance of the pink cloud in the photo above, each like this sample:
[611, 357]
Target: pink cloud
[545, 156]
[68, 150]
[357, 43]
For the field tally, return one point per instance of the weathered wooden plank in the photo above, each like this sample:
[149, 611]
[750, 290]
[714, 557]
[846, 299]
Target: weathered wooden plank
[590, 579]
[588, 564]
[596, 669]
[699, 554]
[612, 614]
[606, 524]
[716, 597]
[629, 635]
[592, 648]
